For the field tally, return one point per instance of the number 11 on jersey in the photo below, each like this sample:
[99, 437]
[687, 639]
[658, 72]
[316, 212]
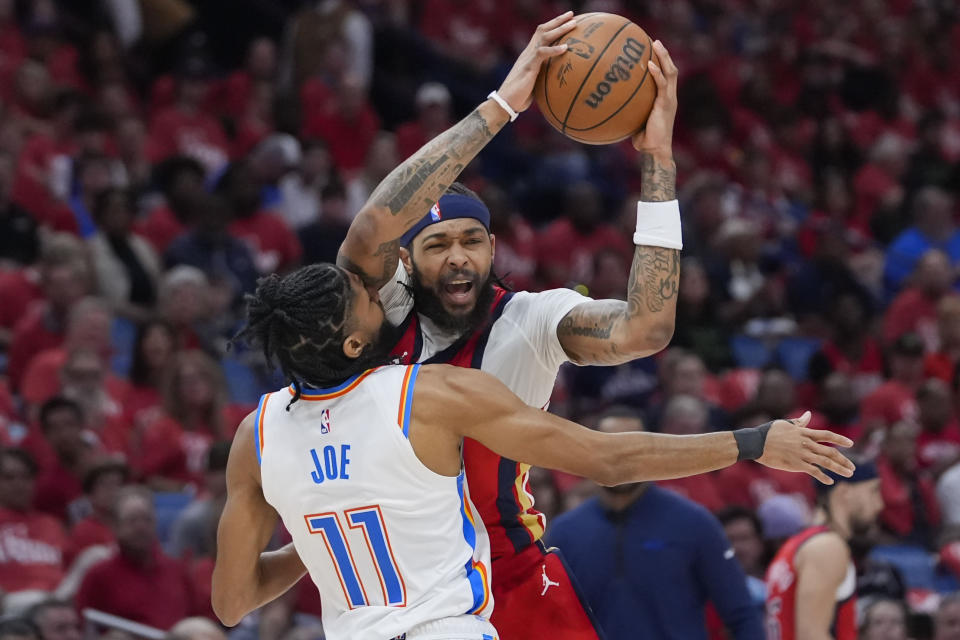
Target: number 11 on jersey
[370, 521]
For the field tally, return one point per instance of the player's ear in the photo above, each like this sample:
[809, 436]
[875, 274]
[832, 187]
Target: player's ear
[493, 247]
[353, 345]
[405, 259]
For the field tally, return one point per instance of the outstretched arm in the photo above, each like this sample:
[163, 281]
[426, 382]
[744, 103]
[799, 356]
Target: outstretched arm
[372, 246]
[472, 404]
[612, 331]
[245, 576]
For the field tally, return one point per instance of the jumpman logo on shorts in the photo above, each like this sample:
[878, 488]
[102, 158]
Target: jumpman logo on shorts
[547, 582]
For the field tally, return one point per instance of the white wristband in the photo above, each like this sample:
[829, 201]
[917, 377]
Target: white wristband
[503, 103]
[658, 225]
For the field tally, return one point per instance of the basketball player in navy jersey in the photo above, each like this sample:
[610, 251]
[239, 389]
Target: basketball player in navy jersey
[363, 464]
[425, 246]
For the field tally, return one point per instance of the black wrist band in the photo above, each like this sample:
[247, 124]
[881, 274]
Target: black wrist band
[750, 441]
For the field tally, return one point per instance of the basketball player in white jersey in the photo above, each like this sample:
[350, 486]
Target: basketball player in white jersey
[363, 465]
[426, 248]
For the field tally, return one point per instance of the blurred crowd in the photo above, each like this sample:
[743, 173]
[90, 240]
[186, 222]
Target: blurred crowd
[157, 157]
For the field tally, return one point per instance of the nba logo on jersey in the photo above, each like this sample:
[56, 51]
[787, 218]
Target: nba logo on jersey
[325, 421]
[435, 212]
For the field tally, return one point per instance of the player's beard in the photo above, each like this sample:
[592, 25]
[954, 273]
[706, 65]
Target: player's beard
[427, 301]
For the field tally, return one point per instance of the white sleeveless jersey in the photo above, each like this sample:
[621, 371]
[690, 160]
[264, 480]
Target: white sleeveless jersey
[389, 544]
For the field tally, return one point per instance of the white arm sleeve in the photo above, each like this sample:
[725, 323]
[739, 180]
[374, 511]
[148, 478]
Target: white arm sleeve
[395, 298]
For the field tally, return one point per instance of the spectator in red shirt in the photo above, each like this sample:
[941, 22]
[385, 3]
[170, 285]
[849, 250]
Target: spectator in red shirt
[911, 513]
[30, 95]
[153, 351]
[944, 362]
[140, 582]
[938, 444]
[894, 400]
[271, 242]
[88, 327]
[32, 543]
[181, 181]
[850, 350]
[19, 290]
[66, 279]
[516, 255]
[876, 186]
[173, 447]
[567, 246]
[348, 127]
[260, 67]
[55, 620]
[59, 484]
[84, 379]
[914, 310]
[186, 127]
[433, 118]
[101, 485]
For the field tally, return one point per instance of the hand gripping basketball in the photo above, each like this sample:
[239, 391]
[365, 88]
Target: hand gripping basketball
[791, 446]
[657, 137]
[517, 87]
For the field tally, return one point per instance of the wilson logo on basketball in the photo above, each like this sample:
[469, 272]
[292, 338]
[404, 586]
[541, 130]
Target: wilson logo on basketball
[630, 57]
[579, 48]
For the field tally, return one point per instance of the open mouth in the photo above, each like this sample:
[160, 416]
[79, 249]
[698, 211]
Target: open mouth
[458, 291]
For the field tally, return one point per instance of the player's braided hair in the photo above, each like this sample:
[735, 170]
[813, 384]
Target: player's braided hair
[299, 322]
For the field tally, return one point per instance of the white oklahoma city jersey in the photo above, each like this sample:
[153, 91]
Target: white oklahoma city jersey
[523, 350]
[390, 545]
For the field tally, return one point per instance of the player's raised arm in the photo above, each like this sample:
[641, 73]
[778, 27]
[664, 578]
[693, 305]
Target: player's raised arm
[613, 331]
[372, 246]
[472, 404]
[245, 577]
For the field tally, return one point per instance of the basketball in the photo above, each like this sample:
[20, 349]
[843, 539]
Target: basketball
[600, 90]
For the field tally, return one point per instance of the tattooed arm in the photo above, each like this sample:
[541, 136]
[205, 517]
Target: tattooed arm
[372, 246]
[612, 331]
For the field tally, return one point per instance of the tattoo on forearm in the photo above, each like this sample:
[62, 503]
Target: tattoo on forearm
[421, 180]
[591, 332]
[654, 279]
[398, 190]
[593, 320]
[658, 179]
[390, 253]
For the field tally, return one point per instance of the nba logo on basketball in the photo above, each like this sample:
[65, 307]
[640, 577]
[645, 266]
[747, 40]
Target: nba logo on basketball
[434, 212]
[325, 419]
